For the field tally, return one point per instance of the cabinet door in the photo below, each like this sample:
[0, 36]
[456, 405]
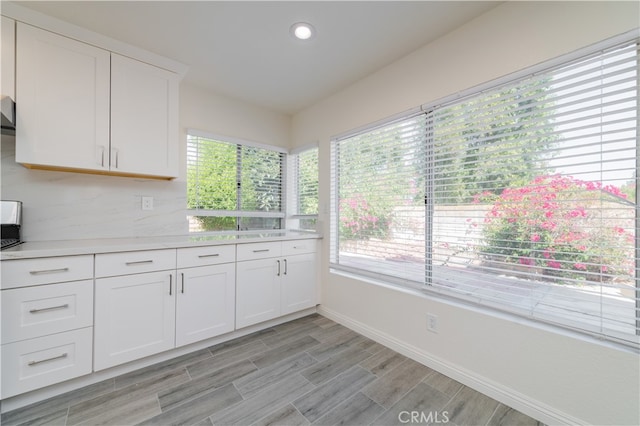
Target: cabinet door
[134, 317]
[62, 93]
[205, 302]
[257, 291]
[298, 283]
[8, 55]
[144, 118]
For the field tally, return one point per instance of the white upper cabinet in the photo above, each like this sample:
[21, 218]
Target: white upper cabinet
[62, 89]
[8, 58]
[144, 118]
[82, 108]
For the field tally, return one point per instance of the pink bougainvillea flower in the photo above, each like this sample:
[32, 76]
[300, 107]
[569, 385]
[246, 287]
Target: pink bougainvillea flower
[553, 264]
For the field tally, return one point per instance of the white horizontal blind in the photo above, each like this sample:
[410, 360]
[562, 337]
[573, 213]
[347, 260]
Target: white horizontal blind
[212, 172]
[378, 220]
[534, 196]
[240, 185]
[305, 172]
[521, 198]
[261, 173]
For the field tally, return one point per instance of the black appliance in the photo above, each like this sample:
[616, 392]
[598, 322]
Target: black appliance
[11, 221]
[8, 115]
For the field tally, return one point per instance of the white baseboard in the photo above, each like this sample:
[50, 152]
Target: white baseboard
[514, 399]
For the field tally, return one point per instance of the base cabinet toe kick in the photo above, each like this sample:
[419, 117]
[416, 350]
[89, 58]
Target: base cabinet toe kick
[65, 317]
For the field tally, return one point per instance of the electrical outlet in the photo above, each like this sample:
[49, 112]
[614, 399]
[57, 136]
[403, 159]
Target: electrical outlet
[432, 323]
[147, 203]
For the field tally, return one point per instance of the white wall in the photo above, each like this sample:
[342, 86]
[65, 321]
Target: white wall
[556, 377]
[69, 206]
[62, 205]
[213, 113]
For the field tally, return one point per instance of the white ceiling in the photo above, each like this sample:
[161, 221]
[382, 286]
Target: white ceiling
[243, 49]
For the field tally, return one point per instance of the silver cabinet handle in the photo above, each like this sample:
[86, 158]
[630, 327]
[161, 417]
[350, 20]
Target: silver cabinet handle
[278, 274]
[139, 262]
[209, 255]
[285, 267]
[102, 156]
[35, 311]
[32, 363]
[116, 152]
[182, 274]
[261, 251]
[49, 271]
[170, 283]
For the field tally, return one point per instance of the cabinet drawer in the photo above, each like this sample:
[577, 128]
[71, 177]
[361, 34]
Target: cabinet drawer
[37, 311]
[45, 270]
[254, 251]
[294, 247]
[134, 262]
[202, 256]
[35, 363]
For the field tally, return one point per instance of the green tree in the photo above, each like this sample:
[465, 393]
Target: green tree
[308, 183]
[211, 181]
[380, 170]
[229, 177]
[261, 180]
[491, 142]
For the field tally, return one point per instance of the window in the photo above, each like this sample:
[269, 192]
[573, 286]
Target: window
[233, 185]
[304, 185]
[379, 207]
[520, 197]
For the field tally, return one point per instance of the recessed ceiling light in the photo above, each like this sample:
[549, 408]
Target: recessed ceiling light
[302, 31]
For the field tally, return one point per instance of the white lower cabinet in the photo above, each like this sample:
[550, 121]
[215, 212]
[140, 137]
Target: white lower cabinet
[47, 322]
[257, 291]
[36, 363]
[298, 283]
[64, 317]
[134, 317]
[205, 302]
[141, 314]
[267, 288]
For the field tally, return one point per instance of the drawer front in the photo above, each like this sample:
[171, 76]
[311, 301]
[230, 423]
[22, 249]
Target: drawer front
[35, 363]
[202, 256]
[294, 247]
[45, 270]
[38, 311]
[254, 251]
[134, 262]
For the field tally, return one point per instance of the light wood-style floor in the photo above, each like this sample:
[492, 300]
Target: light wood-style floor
[307, 371]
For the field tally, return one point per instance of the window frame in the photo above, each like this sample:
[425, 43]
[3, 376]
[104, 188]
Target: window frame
[238, 213]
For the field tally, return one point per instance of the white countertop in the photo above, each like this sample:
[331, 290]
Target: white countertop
[34, 249]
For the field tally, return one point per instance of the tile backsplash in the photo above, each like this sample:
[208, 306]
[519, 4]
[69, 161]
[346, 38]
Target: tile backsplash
[69, 206]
